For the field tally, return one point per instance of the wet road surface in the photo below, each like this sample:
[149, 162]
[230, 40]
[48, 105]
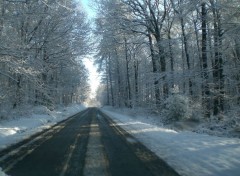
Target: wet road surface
[87, 144]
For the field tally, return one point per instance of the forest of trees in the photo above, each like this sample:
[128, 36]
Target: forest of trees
[150, 51]
[41, 46]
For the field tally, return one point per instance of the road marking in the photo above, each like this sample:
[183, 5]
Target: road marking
[72, 148]
[131, 140]
[17, 160]
[44, 137]
[95, 161]
[12, 164]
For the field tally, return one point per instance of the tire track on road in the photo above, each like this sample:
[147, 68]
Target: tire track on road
[37, 156]
[96, 163]
[147, 163]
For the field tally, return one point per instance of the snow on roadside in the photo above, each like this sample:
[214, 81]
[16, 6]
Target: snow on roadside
[2, 173]
[187, 152]
[40, 118]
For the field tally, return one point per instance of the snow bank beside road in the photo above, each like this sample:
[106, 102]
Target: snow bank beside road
[187, 152]
[15, 130]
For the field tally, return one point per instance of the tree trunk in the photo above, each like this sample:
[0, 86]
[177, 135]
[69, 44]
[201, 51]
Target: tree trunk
[18, 96]
[206, 92]
[217, 67]
[119, 91]
[111, 86]
[187, 55]
[171, 56]
[155, 71]
[108, 92]
[128, 75]
[136, 79]
[162, 58]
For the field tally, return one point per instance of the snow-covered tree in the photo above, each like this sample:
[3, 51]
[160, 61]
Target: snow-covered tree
[152, 49]
[40, 45]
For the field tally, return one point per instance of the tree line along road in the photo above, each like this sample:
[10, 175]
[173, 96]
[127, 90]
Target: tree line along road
[89, 144]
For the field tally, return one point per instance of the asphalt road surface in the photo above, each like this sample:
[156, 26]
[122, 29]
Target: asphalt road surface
[86, 144]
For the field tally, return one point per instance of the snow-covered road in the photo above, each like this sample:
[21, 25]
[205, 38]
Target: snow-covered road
[187, 152]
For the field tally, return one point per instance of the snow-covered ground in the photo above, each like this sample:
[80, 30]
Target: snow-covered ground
[187, 152]
[36, 120]
[2, 173]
